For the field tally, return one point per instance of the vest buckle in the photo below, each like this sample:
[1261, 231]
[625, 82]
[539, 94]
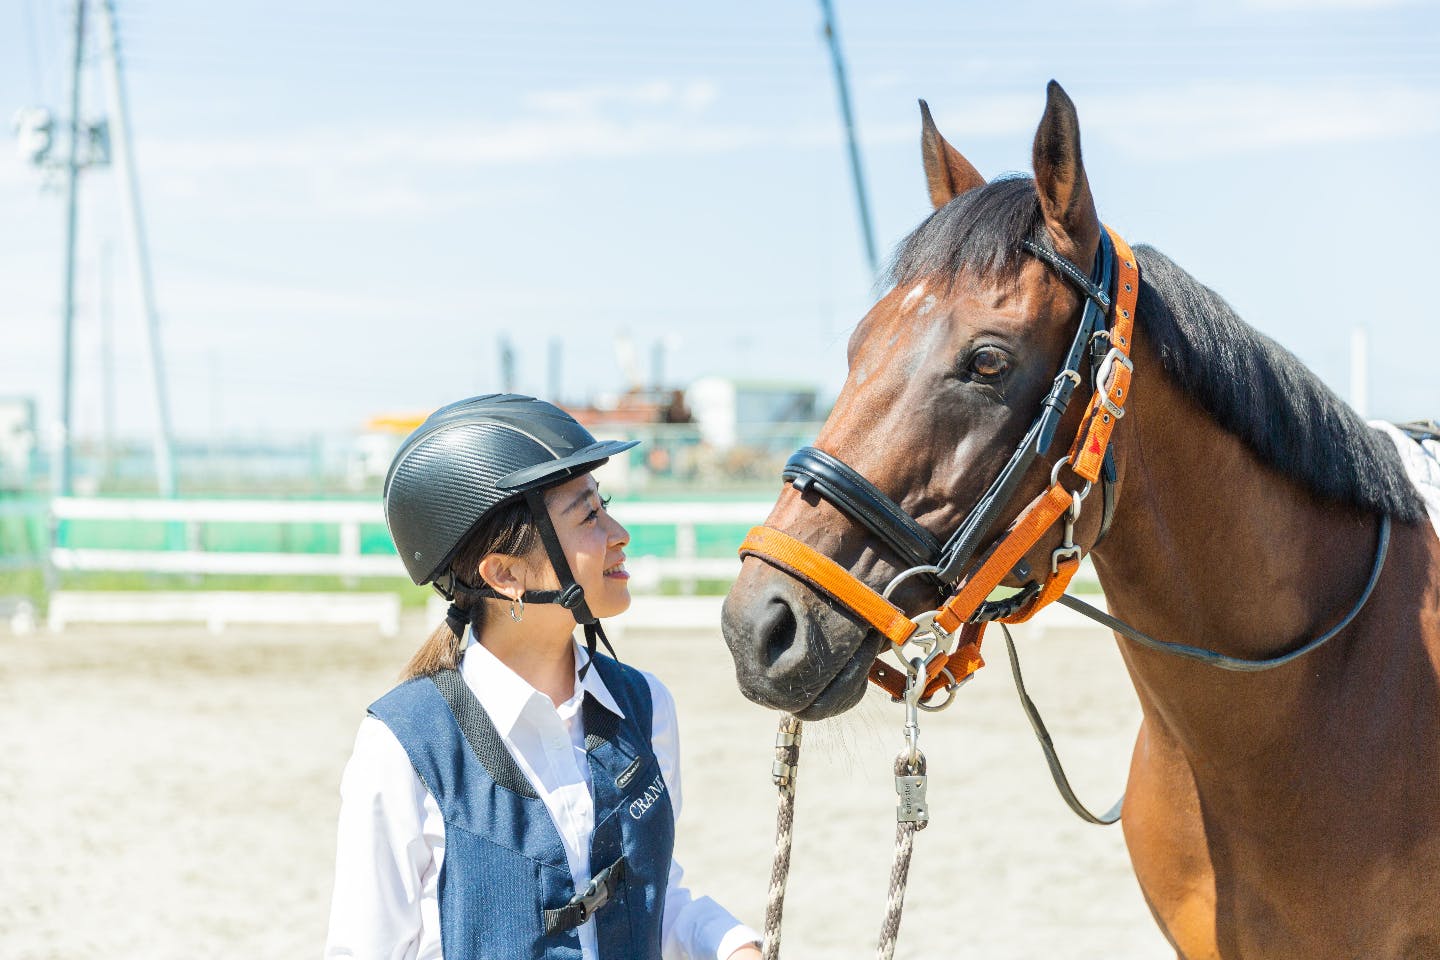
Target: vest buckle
[597, 893]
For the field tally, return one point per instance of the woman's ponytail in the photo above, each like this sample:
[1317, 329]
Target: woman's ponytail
[508, 530]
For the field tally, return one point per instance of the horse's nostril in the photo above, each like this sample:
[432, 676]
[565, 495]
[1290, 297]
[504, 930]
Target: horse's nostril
[778, 632]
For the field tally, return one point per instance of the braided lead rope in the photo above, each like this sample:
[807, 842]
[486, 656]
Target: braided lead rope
[900, 870]
[787, 762]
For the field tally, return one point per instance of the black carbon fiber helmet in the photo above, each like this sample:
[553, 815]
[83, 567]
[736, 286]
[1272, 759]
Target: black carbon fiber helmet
[470, 457]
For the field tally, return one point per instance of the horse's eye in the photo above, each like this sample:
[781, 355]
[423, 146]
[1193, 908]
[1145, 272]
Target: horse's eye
[988, 364]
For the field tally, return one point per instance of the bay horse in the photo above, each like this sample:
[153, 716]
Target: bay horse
[1289, 813]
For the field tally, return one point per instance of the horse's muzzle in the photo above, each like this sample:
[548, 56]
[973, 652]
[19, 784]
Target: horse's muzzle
[792, 650]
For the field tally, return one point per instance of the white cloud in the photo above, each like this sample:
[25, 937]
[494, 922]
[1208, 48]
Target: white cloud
[1308, 6]
[1236, 118]
[691, 96]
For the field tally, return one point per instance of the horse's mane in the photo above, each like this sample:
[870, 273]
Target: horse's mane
[1250, 385]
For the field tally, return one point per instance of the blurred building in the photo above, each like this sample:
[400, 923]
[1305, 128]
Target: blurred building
[749, 413]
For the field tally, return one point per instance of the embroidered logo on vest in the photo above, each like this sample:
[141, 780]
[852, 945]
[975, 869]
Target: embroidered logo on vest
[646, 800]
[627, 775]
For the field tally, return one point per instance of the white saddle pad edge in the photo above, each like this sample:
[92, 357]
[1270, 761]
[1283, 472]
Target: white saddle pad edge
[1422, 463]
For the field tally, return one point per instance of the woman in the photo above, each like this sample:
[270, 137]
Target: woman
[516, 796]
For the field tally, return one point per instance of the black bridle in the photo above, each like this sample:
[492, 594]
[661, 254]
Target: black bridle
[811, 468]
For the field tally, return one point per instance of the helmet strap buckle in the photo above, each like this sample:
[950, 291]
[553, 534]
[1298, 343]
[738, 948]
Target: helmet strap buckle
[571, 597]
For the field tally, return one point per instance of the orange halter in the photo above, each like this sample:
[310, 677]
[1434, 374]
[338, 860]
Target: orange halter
[1086, 457]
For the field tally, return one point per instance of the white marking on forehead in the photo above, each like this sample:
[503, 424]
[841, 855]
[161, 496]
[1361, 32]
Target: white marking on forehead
[915, 291]
[927, 306]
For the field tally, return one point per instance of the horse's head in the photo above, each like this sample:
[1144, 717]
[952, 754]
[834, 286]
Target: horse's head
[946, 374]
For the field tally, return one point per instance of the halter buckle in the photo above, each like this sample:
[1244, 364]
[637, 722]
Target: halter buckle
[1112, 357]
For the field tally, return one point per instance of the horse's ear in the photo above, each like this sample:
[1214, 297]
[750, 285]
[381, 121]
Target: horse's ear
[1065, 197]
[946, 171]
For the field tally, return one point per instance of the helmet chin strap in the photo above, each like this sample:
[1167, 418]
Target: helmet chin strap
[571, 595]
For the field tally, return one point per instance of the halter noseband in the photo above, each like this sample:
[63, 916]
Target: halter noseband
[949, 636]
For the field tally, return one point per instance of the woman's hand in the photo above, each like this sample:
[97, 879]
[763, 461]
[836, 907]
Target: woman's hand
[747, 952]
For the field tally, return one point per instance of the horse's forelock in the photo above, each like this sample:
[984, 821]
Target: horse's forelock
[979, 233]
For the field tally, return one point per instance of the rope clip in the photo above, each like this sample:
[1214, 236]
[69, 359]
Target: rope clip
[910, 765]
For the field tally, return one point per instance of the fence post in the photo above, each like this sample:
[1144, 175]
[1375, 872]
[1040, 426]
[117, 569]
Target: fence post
[349, 552]
[685, 550]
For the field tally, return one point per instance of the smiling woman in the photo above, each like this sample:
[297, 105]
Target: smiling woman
[516, 795]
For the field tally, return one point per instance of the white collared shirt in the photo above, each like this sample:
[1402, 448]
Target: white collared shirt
[391, 837]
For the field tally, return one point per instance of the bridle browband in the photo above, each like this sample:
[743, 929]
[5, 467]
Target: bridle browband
[947, 639]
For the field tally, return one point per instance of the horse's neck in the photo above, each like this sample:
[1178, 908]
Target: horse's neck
[1214, 549]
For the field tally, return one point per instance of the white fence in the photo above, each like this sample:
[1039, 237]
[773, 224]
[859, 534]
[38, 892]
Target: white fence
[684, 568]
[647, 572]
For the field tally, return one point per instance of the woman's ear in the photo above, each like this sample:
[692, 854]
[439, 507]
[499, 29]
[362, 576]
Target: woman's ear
[505, 574]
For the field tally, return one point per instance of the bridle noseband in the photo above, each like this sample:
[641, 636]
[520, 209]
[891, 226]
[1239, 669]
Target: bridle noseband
[950, 634]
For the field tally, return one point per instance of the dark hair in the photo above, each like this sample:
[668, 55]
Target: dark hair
[509, 529]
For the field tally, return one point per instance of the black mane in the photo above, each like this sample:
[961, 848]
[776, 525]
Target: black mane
[1250, 385]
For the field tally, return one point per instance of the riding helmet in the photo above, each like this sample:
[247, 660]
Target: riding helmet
[470, 457]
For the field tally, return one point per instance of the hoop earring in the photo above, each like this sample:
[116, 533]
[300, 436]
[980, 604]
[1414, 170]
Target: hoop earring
[517, 609]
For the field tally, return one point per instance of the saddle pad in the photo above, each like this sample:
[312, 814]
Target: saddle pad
[1422, 463]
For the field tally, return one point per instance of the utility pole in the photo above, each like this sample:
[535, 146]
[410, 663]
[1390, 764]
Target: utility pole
[107, 363]
[130, 197]
[842, 87]
[64, 480]
[555, 385]
[507, 365]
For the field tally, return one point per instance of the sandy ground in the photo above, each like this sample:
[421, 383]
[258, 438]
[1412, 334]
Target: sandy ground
[166, 793]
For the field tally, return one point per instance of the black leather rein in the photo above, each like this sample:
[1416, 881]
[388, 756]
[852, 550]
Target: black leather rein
[810, 468]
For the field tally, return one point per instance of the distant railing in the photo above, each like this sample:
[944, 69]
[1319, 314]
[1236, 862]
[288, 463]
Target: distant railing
[682, 565]
[685, 566]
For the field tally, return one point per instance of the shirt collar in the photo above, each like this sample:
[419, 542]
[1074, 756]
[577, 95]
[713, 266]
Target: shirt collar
[593, 685]
[505, 694]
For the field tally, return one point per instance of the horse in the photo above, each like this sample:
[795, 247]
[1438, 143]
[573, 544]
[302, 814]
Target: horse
[1291, 812]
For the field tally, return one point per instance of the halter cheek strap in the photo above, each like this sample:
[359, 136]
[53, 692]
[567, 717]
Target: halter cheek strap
[1087, 459]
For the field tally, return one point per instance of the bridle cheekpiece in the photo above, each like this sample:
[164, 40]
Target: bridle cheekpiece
[941, 647]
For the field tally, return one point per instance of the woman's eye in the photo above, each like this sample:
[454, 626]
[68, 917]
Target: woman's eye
[988, 364]
[595, 513]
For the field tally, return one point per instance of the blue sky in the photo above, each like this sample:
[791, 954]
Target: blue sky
[348, 203]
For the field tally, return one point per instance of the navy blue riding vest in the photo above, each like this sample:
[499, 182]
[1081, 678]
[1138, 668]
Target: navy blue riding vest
[505, 874]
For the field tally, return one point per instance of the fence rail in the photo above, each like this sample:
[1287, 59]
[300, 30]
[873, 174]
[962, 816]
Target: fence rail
[681, 564]
[685, 565]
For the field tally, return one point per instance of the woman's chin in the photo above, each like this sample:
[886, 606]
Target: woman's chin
[612, 601]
